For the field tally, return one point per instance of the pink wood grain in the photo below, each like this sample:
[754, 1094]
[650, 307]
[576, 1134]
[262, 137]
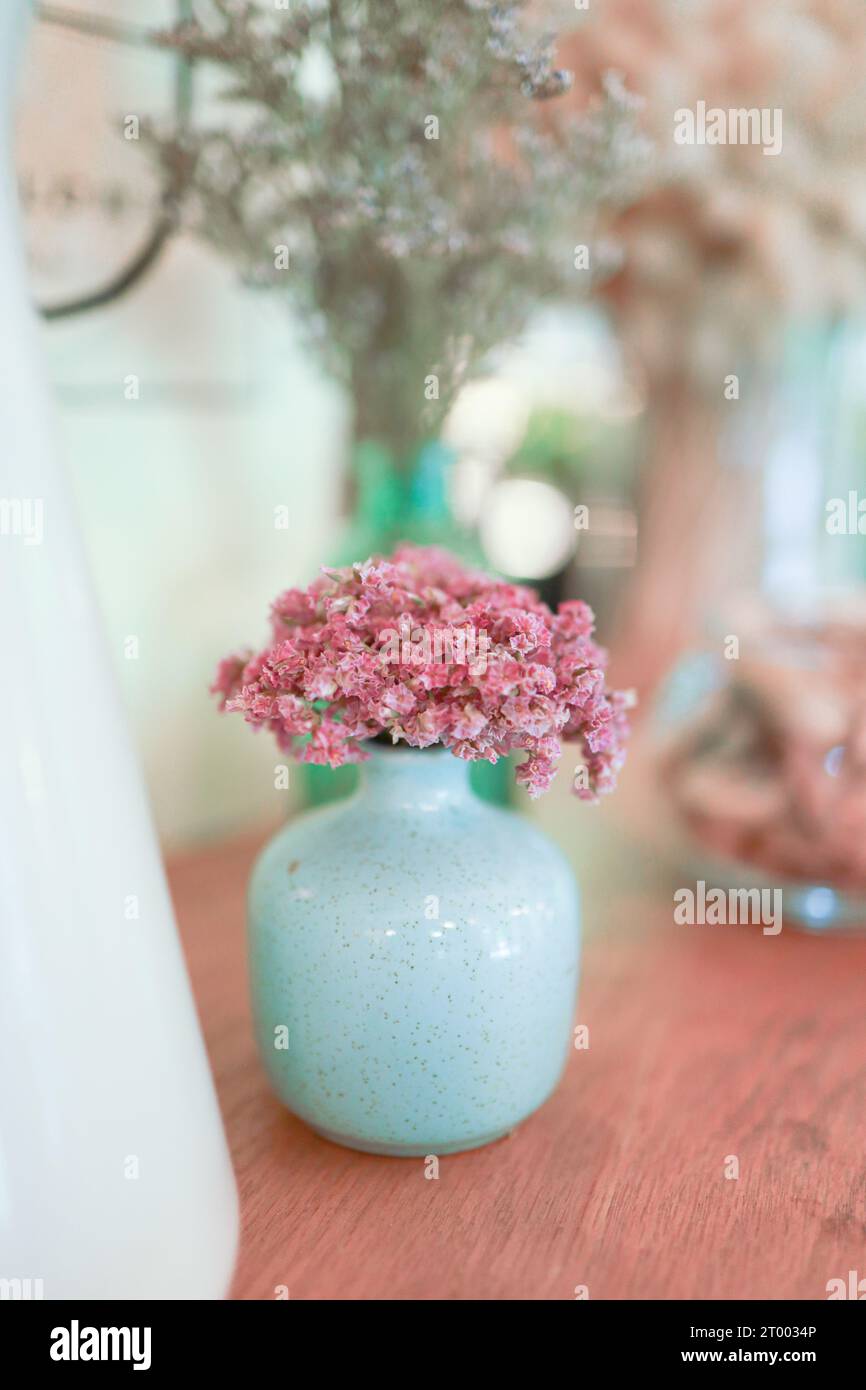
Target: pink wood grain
[705, 1042]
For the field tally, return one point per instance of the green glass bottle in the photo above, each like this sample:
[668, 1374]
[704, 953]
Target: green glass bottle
[394, 504]
[379, 502]
[430, 521]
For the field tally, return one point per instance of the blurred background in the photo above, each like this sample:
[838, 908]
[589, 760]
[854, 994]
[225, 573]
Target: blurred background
[668, 446]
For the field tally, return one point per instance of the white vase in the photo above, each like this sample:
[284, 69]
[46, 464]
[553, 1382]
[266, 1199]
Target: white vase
[115, 1179]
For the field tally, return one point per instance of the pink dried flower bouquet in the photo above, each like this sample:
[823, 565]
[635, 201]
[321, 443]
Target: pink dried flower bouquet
[418, 647]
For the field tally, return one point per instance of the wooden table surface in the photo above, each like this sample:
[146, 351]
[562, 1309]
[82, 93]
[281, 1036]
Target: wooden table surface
[706, 1043]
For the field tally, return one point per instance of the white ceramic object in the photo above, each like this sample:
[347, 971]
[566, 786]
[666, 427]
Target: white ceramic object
[115, 1179]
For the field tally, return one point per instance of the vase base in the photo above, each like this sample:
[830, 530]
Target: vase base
[410, 1150]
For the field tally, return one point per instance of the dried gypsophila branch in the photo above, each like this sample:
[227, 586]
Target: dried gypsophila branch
[392, 153]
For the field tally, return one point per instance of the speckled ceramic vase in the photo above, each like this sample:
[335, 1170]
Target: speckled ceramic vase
[414, 961]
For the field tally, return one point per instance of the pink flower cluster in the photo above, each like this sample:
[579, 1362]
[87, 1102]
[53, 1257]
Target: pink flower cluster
[334, 676]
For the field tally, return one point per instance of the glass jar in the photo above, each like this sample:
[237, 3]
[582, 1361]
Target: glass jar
[761, 731]
[761, 757]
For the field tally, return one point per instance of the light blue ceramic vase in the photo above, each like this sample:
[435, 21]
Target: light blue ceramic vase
[414, 961]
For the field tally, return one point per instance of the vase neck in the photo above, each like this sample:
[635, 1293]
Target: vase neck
[423, 779]
[379, 488]
[428, 487]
